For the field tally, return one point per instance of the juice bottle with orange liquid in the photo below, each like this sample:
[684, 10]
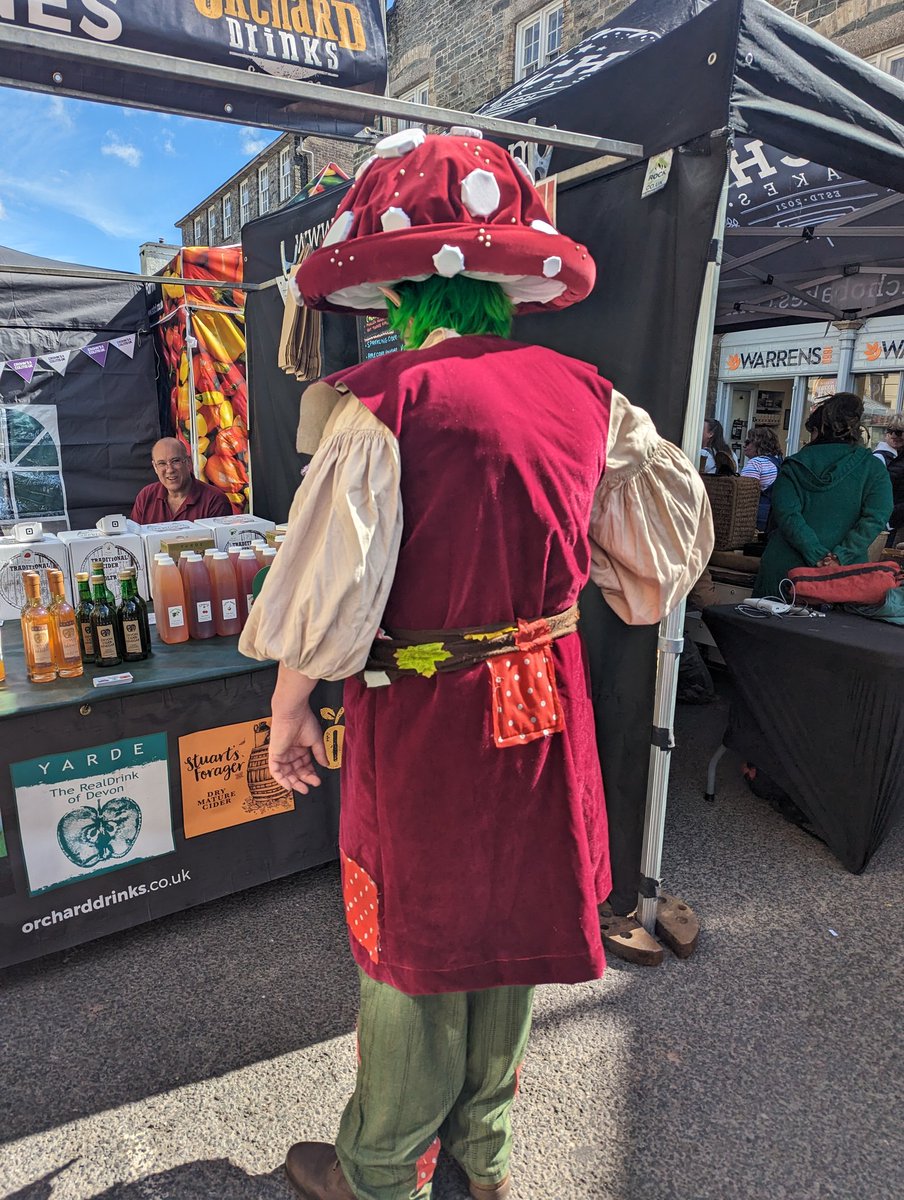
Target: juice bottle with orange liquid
[169, 603]
[198, 597]
[225, 595]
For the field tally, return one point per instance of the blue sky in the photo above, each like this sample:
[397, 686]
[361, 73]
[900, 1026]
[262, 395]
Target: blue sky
[89, 183]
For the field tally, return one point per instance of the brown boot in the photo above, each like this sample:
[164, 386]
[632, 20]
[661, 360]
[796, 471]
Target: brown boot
[314, 1172]
[491, 1191]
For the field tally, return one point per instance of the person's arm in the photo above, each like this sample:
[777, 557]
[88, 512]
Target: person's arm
[651, 531]
[788, 515]
[874, 512]
[751, 470]
[324, 594]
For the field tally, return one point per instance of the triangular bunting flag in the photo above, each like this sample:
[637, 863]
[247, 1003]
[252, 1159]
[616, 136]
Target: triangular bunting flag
[57, 362]
[125, 344]
[97, 352]
[23, 366]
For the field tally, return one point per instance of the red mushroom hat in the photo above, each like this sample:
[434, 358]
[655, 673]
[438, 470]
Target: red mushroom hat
[445, 204]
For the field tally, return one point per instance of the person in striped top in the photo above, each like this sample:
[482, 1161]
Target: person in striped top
[764, 457]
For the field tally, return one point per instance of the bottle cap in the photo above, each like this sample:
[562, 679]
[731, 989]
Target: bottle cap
[246, 553]
[220, 554]
[192, 556]
[81, 576]
[31, 582]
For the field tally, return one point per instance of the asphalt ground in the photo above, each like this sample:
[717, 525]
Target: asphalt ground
[178, 1060]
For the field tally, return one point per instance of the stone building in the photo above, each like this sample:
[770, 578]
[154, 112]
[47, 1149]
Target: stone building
[453, 54]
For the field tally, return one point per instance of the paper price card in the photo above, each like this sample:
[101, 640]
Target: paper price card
[92, 811]
[226, 778]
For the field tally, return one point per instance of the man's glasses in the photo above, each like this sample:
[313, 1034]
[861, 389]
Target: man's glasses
[162, 463]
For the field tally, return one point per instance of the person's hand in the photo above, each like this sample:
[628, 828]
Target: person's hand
[829, 561]
[296, 742]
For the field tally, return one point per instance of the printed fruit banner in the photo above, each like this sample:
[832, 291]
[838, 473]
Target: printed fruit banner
[202, 336]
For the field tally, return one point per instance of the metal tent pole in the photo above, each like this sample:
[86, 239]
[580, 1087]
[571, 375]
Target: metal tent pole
[671, 641]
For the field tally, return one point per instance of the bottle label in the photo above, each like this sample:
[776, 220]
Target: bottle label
[249, 599]
[106, 642]
[131, 633]
[69, 642]
[205, 610]
[176, 615]
[230, 609]
[40, 646]
[87, 637]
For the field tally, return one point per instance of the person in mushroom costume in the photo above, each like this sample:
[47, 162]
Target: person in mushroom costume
[461, 492]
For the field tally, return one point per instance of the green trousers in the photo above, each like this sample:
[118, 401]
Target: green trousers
[431, 1070]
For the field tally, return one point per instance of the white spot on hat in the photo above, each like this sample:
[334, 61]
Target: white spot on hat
[552, 266]
[480, 193]
[543, 227]
[367, 162]
[449, 261]
[466, 131]
[340, 228]
[395, 218]
[399, 144]
[524, 168]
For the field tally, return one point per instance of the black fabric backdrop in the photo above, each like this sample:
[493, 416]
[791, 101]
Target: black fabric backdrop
[819, 710]
[270, 246]
[108, 417]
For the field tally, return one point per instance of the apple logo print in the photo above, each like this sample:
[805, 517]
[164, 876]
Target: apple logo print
[91, 835]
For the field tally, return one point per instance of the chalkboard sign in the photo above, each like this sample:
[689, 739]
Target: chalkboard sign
[376, 338]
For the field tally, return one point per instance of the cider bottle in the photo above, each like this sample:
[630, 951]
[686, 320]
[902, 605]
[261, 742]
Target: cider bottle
[97, 568]
[225, 595]
[83, 617]
[169, 604]
[132, 635]
[142, 606]
[198, 598]
[246, 569]
[104, 625]
[67, 653]
[37, 632]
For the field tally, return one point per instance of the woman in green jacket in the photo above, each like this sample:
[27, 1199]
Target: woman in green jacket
[830, 501]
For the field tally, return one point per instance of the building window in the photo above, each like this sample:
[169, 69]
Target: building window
[245, 201]
[263, 189]
[212, 224]
[417, 95]
[538, 40]
[891, 61]
[227, 216]
[199, 231]
[285, 174]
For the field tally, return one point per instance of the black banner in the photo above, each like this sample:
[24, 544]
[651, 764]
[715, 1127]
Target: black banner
[336, 42]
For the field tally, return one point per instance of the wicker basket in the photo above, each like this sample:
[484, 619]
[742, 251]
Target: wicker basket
[734, 501]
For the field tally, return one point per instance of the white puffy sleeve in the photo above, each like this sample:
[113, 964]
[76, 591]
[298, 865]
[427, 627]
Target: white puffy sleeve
[324, 595]
[651, 527]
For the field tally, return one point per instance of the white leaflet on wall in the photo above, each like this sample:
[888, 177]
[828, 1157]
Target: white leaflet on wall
[57, 362]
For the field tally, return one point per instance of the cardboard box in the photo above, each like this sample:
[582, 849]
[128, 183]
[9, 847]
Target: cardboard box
[153, 535]
[115, 551]
[272, 534]
[16, 558]
[240, 530]
[181, 543]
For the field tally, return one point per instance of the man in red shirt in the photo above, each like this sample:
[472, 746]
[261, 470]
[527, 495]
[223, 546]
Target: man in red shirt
[178, 496]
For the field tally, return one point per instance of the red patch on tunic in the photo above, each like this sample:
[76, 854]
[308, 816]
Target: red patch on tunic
[426, 1164]
[525, 698]
[361, 906]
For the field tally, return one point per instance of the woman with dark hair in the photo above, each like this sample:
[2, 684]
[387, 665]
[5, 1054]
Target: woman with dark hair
[764, 459]
[830, 501]
[716, 457]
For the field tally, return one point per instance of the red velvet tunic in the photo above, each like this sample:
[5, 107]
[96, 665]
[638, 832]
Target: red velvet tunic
[467, 866]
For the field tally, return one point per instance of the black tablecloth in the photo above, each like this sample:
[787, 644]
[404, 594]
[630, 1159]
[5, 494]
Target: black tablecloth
[819, 707]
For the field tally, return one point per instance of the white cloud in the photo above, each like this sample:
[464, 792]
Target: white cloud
[60, 114]
[2, 212]
[117, 148]
[253, 141]
[87, 198]
[167, 143]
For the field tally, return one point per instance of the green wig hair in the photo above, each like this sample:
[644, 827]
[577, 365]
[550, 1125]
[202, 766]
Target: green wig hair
[469, 306]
